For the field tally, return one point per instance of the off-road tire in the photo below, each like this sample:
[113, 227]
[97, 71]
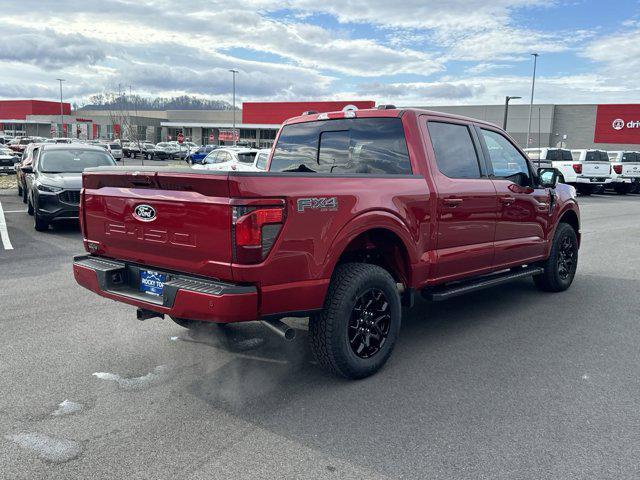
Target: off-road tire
[29, 207]
[328, 329]
[551, 280]
[24, 195]
[19, 189]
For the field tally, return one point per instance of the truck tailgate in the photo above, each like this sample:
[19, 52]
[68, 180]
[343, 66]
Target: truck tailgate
[596, 169]
[631, 170]
[173, 220]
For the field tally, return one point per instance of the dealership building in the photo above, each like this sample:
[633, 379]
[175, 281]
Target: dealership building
[607, 126]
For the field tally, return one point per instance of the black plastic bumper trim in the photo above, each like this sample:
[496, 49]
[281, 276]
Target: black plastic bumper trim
[123, 278]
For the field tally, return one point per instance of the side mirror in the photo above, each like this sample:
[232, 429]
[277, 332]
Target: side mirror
[548, 177]
[28, 169]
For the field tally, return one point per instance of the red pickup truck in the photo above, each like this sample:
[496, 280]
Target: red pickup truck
[357, 212]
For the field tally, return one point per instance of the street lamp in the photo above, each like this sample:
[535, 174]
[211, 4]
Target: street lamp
[507, 99]
[234, 72]
[61, 106]
[533, 86]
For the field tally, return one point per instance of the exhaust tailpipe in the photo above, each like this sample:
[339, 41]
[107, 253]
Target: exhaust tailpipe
[143, 314]
[281, 328]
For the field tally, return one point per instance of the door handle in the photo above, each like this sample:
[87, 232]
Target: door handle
[507, 199]
[452, 202]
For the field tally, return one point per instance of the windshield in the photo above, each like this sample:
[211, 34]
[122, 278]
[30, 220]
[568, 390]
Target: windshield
[246, 157]
[73, 161]
[115, 146]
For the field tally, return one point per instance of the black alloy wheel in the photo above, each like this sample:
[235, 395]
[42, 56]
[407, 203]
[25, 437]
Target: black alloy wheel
[369, 325]
[567, 253]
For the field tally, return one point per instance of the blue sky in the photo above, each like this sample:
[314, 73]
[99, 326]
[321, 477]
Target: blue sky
[418, 52]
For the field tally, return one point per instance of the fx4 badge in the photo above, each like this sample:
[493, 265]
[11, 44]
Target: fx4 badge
[319, 203]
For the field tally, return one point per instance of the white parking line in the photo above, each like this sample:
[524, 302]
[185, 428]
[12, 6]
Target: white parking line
[15, 211]
[4, 233]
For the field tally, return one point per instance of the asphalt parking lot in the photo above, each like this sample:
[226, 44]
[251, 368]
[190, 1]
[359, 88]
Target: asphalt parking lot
[506, 383]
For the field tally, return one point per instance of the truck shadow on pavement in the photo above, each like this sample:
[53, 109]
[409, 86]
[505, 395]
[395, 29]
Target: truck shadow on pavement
[473, 369]
[266, 370]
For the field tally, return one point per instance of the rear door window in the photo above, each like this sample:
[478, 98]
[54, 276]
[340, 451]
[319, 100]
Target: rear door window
[456, 155]
[355, 145]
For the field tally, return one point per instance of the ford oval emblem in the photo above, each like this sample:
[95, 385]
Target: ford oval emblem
[144, 213]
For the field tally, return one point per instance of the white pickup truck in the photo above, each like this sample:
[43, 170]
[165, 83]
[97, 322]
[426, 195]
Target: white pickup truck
[586, 170]
[625, 168]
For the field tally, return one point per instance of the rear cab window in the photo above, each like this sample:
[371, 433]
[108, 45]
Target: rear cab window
[343, 146]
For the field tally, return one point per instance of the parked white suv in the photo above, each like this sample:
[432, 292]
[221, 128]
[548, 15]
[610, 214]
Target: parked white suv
[230, 158]
[625, 171]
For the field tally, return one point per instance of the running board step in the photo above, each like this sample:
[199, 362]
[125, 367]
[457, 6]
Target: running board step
[437, 294]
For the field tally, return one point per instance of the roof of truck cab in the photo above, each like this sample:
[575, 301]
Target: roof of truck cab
[379, 113]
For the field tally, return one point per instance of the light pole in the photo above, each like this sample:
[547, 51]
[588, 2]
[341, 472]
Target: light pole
[533, 86]
[507, 99]
[61, 106]
[234, 72]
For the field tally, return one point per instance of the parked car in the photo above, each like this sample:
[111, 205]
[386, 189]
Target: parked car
[199, 155]
[131, 149]
[148, 150]
[8, 160]
[180, 150]
[347, 227]
[229, 158]
[19, 144]
[54, 180]
[115, 149]
[59, 140]
[25, 161]
[164, 151]
[625, 172]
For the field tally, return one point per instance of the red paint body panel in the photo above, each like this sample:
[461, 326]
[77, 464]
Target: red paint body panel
[192, 232]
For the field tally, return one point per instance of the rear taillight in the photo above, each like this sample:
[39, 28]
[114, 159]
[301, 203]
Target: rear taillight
[617, 169]
[255, 229]
[577, 167]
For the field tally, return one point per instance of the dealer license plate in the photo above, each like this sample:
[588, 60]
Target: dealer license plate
[152, 282]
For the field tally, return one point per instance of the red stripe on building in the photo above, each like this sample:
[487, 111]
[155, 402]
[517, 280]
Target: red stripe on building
[274, 113]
